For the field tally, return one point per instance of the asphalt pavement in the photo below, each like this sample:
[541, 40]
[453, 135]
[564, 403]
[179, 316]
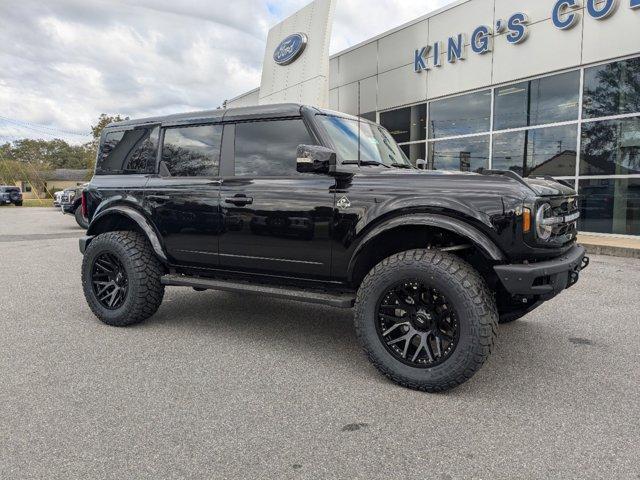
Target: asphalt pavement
[221, 385]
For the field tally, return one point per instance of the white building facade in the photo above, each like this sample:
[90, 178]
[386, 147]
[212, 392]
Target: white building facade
[540, 87]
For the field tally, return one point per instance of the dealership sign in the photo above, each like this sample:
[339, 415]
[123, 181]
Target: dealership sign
[564, 16]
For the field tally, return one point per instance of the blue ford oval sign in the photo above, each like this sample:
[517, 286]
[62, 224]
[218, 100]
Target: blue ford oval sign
[290, 49]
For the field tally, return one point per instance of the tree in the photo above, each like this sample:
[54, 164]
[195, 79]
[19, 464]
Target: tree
[103, 121]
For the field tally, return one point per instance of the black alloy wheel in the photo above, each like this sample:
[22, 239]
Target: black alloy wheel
[417, 324]
[109, 280]
[426, 319]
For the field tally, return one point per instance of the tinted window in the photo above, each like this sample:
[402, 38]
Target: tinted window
[191, 151]
[544, 100]
[611, 147]
[131, 151]
[610, 206]
[406, 124]
[544, 151]
[460, 115]
[269, 148]
[612, 89]
[464, 154]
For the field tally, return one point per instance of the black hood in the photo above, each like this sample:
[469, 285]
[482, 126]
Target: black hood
[549, 188]
[451, 182]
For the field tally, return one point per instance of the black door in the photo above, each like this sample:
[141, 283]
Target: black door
[184, 198]
[277, 221]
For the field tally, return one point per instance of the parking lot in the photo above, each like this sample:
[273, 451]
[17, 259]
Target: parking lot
[221, 385]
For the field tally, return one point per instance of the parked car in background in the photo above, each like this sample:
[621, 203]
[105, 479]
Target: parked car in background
[71, 204]
[57, 199]
[10, 194]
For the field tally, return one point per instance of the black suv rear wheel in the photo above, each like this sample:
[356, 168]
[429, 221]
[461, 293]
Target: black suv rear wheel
[426, 319]
[121, 278]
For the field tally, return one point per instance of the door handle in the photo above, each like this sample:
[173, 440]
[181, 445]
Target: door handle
[239, 200]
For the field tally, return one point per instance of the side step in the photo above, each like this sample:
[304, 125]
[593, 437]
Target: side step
[338, 300]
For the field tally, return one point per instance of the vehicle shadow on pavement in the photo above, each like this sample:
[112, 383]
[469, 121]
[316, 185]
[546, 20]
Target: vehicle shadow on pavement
[523, 354]
[310, 329]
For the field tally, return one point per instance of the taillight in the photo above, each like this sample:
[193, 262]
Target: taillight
[84, 205]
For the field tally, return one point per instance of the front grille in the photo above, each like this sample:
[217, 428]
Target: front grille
[566, 210]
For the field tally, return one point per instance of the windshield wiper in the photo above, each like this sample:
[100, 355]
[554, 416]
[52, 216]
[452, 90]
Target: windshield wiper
[402, 165]
[366, 163]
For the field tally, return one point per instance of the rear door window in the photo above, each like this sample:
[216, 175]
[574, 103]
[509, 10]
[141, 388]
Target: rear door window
[130, 151]
[191, 151]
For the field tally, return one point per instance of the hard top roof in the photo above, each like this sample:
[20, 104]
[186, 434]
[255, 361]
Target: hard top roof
[280, 110]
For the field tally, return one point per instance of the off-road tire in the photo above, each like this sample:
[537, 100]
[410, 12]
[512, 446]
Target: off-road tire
[18, 204]
[472, 300]
[80, 219]
[144, 271]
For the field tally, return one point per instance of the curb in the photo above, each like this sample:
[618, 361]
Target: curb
[612, 251]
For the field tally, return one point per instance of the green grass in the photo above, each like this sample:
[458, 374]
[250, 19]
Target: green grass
[33, 202]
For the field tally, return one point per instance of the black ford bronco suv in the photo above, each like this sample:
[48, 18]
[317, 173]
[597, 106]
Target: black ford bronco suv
[315, 206]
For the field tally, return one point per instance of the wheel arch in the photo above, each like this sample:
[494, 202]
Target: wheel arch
[412, 231]
[121, 217]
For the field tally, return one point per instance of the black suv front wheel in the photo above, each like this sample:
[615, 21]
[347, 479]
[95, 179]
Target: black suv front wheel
[426, 319]
[121, 278]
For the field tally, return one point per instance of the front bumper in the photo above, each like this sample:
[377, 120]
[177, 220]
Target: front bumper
[544, 279]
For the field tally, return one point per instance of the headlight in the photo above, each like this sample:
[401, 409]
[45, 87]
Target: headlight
[543, 231]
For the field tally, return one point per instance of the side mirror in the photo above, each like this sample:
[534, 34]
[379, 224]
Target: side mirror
[315, 159]
[421, 163]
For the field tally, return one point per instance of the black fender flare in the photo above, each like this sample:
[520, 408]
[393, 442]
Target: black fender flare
[132, 214]
[475, 236]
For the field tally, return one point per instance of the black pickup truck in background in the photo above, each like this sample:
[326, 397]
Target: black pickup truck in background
[300, 203]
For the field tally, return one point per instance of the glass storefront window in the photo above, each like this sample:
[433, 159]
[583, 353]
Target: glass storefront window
[610, 206]
[610, 147]
[415, 152]
[543, 151]
[612, 89]
[464, 154]
[407, 124]
[460, 115]
[537, 102]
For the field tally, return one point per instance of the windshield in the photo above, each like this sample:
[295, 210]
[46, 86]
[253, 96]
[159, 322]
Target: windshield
[363, 143]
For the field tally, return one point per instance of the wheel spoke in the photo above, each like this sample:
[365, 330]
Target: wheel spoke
[109, 280]
[439, 345]
[391, 318]
[397, 325]
[419, 349]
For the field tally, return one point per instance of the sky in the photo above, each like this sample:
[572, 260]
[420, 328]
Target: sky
[64, 62]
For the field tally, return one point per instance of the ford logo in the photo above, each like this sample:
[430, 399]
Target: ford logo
[290, 49]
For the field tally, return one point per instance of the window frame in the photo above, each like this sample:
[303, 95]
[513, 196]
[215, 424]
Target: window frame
[124, 130]
[168, 126]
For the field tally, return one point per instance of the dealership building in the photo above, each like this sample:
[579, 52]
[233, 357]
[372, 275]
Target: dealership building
[539, 87]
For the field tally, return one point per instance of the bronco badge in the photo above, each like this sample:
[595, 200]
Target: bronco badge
[343, 203]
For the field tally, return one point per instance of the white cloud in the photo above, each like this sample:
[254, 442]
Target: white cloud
[63, 63]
